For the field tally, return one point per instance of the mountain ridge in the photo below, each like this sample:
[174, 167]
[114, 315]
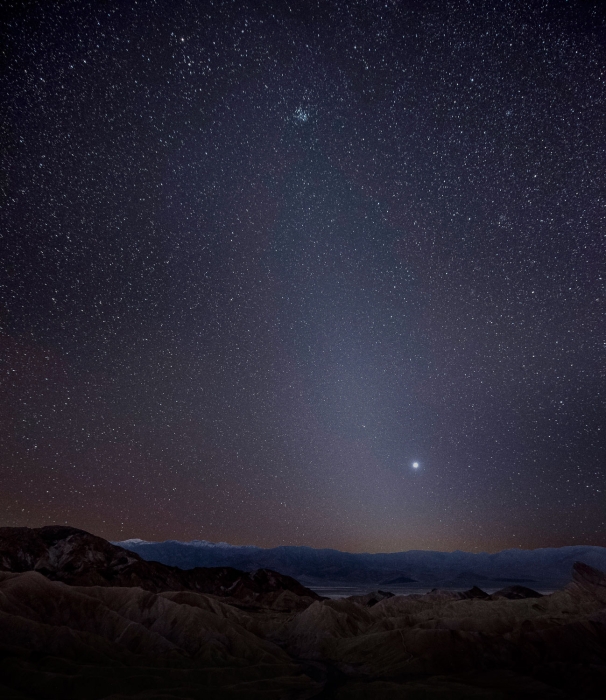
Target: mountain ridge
[76, 557]
[549, 566]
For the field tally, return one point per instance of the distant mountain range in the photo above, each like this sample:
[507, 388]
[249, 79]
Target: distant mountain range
[549, 567]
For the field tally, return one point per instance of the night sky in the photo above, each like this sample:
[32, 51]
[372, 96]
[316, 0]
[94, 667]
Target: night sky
[259, 258]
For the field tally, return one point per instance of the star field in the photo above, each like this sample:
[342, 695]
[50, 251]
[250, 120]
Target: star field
[316, 273]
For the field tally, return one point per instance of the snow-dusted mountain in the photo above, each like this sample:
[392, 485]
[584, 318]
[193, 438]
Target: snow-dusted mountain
[323, 567]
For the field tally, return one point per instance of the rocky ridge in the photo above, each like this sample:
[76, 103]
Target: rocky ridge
[79, 558]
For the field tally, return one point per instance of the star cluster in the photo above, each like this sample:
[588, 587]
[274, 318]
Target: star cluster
[309, 272]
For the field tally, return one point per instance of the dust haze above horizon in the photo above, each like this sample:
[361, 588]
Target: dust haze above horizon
[309, 273]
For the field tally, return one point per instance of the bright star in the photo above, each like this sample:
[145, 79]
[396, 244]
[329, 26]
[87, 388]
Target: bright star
[415, 465]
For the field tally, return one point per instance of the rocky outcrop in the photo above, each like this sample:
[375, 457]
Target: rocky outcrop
[587, 581]
[73, 643]
[370, 599]
[78, 558]
[472, 645]
[516, 593]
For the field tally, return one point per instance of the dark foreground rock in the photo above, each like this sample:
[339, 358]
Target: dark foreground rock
[113, 642]
[516, 593]
[370, 599]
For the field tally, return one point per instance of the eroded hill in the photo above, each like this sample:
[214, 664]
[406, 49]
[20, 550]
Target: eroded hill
[117, 639]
